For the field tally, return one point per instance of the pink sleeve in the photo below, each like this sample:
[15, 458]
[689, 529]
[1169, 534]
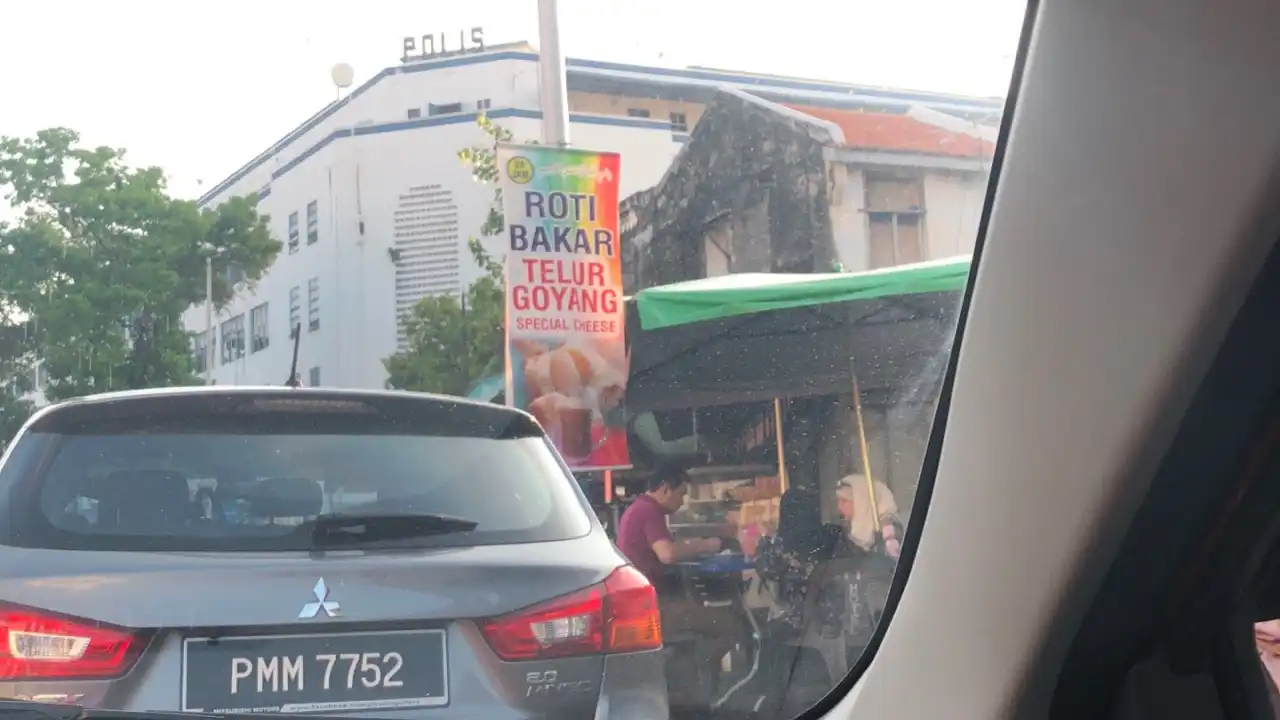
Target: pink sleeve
[655, 528]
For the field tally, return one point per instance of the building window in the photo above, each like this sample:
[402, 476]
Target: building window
[314, 379]
[259, 333]
[895, 220]
[414, 113]
[895, 239]
[313, 222]
[200, 351]
[293, 232]
[637, 113]
[679, 122]
[295, 309]
[484, 104]
[313, 304]
[233, 339]
[449, 109]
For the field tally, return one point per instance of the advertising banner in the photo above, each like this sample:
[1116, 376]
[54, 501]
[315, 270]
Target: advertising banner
[566, 352]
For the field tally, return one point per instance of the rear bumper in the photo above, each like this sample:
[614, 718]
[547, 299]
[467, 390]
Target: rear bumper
[633, 686]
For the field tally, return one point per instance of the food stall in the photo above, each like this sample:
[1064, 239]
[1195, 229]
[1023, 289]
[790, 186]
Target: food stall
[740, 376]
[745, 378]
[747, 357]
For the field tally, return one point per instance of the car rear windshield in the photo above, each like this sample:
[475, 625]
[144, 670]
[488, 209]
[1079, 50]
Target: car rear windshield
[196, 489]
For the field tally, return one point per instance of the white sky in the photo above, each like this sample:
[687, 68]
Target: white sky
[199, 88]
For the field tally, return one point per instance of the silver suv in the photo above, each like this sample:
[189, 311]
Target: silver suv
[235, 550]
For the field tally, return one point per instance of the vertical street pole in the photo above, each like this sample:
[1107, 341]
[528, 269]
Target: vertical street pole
[555, 98]
[208, 320]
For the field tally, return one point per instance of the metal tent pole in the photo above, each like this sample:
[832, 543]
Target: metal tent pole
[782, 455]
[866, 454]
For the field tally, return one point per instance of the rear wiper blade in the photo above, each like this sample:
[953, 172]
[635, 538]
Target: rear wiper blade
[341, 530]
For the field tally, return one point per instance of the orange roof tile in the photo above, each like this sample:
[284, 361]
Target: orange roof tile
[899, 133]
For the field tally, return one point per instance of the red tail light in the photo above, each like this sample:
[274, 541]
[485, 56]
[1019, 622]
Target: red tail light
[38, 646]
[618, 615]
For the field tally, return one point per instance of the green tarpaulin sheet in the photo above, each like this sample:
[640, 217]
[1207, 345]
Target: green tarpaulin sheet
[745, 293]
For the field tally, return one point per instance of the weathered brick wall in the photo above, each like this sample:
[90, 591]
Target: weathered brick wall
[752, 178]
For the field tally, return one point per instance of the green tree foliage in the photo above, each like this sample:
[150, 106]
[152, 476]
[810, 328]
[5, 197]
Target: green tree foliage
[15, 378]
[101, 261]
[13, 412]
[451, 345]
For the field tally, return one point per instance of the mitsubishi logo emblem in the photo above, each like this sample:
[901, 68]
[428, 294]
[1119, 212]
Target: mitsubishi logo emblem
[312, 609]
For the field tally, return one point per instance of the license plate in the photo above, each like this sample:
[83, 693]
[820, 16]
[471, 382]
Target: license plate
[315, 673]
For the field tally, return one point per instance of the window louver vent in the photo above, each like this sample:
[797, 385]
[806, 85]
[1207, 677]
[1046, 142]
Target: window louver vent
[430, 248]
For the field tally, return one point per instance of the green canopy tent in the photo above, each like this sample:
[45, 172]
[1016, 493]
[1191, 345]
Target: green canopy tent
[746, 293]
[749, 337]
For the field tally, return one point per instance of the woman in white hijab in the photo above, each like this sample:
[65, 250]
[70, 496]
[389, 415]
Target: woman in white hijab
[868, 576]
[853, 496]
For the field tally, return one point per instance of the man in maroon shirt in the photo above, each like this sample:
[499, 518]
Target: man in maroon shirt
[645, 540]
[643, 535]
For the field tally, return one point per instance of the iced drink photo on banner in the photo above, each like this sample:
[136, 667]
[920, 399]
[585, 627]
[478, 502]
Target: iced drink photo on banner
[566, 351]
